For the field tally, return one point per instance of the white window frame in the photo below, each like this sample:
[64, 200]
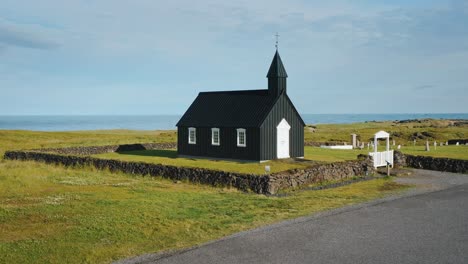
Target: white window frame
[213, 130]
[194, 130]
[239, 131]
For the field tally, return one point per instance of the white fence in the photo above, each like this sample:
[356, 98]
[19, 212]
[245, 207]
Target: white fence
[381, 158]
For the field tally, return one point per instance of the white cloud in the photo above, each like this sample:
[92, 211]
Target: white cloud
[25, 36]
[330, 48]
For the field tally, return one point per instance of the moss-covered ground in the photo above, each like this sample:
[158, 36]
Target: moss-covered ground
[403, 132]
[169, 157]
[52, 214]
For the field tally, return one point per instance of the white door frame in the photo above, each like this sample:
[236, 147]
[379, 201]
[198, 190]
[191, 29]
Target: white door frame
[282, 139]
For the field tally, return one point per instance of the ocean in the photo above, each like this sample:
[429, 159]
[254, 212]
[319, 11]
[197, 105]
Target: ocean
[166, 122]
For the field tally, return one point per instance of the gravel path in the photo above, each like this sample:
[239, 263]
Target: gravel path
[427, 181]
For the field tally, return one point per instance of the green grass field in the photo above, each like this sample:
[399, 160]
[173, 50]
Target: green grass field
[453, 152]
[331, 155]
[52, 214]
[21, 139]
[439, 130]
[169, 157]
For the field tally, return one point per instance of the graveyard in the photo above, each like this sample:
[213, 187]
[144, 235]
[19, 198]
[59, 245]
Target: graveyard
[409, 137]
[313, 155]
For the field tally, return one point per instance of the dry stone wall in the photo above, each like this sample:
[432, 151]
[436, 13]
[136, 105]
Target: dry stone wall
[261, 184]
[327, 143]
[244, 182]
[459, 141]
[93, 150]
[320, 173]
[431, 163]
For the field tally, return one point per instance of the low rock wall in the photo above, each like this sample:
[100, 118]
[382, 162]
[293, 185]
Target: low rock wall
[320, 173]
[327, 143]
[244, 182]
[399, 159]
[261, 184]
[93, 150]
[430, 163]
[459, 141]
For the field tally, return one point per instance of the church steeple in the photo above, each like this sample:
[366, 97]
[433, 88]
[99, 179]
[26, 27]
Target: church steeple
[277, 76]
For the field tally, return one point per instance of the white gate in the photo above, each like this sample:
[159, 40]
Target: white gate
[381, 158]
[282, 143]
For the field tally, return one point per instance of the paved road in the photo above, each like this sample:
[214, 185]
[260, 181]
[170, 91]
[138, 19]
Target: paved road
[422, 228]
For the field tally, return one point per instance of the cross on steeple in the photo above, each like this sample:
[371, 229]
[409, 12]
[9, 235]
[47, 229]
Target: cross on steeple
[277, 76]
[277, 37]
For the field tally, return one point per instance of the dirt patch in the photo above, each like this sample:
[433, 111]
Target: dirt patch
[391, 186]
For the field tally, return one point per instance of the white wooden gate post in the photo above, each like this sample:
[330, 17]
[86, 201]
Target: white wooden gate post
[375, 144]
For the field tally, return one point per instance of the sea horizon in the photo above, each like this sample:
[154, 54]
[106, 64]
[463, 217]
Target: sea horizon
[168, 121]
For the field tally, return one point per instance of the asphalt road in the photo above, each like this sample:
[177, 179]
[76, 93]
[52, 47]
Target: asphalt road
[423, 228]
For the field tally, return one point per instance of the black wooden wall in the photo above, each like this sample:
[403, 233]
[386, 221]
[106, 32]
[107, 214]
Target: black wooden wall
[227, 149]
[282, 109]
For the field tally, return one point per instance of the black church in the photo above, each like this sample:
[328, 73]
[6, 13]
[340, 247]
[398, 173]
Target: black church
[253, 125]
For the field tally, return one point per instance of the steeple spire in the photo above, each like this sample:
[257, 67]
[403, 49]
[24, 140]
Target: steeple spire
[277, 68]
[277, 76]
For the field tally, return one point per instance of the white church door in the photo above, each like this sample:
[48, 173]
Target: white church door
[282, 143]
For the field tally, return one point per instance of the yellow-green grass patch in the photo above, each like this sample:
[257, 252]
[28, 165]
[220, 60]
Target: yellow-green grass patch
[52, 214]
[451, 151]
[169, 157]
[22, 139]
[332, 155]
[441, 130]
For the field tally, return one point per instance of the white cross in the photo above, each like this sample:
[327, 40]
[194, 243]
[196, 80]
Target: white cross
[277, 36]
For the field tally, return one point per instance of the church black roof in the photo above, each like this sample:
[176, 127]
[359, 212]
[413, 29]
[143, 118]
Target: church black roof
[277, 68]
[246, 108]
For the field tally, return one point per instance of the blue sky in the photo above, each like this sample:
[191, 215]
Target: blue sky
[153, 57]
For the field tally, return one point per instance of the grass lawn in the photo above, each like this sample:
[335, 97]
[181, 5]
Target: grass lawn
[440, 130]
[21, 139]
[52, 214]
[169, 157]
[331, 155]
[453, 152]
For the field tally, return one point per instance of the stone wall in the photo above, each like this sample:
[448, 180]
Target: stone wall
[319, 173]
[244, 182]
[327, 143]
[261, 184]
[460, 141]
[399, 159]
[431, 163]
[93, 150]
